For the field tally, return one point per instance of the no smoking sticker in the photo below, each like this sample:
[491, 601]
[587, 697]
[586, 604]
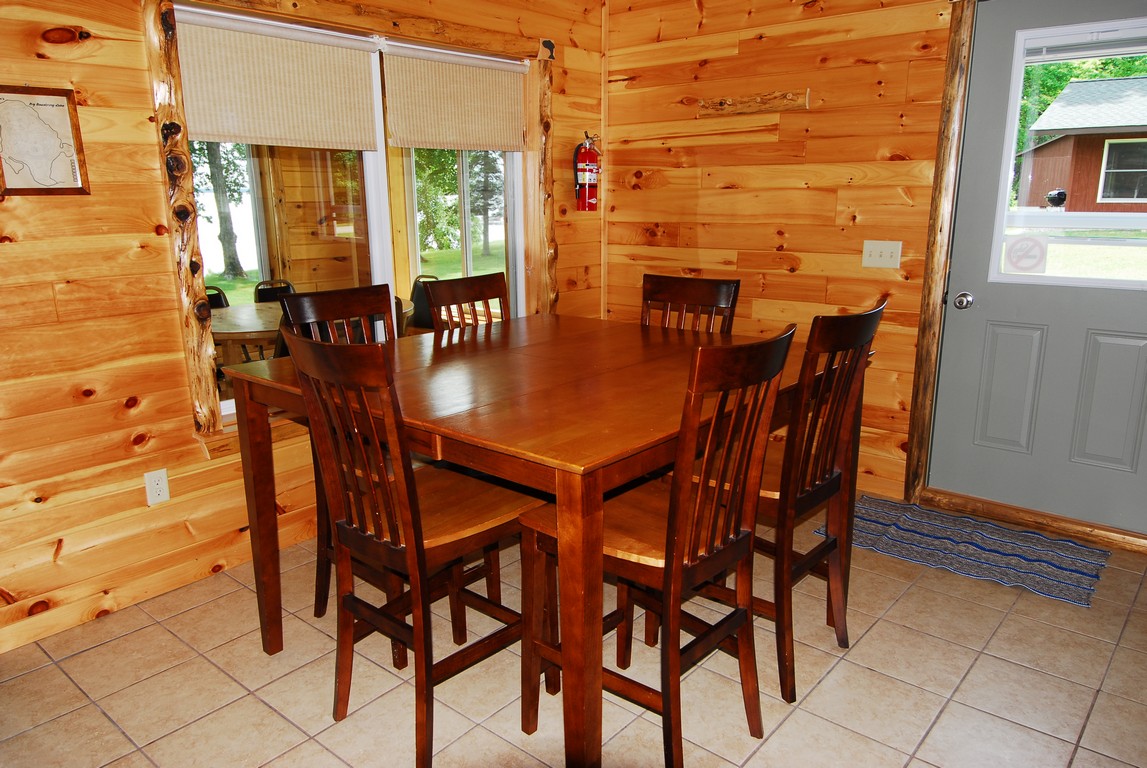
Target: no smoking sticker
[1026, 253]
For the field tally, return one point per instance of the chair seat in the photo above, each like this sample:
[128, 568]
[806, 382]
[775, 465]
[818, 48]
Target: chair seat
[633, 524]
[458, 508]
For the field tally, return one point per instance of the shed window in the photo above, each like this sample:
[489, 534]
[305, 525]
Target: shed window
[1124, 171]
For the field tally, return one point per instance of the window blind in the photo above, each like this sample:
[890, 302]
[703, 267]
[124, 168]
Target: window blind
[246, 87]
[453, 104]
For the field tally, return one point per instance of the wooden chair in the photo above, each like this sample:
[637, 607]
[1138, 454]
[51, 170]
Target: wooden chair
[271, 290]
[343, 316]
[661, 559]
[467, 301]
[397, 520]
[692, 303]
[820, 419]
[216, 297]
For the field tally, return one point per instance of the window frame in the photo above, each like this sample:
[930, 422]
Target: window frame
[1103, 171]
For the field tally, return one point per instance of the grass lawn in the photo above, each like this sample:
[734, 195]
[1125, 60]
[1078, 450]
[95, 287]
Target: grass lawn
[448, 263]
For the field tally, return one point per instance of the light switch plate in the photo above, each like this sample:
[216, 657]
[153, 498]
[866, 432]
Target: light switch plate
[881, 253]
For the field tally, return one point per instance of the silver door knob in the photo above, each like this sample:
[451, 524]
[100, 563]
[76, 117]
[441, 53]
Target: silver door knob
[963, 300]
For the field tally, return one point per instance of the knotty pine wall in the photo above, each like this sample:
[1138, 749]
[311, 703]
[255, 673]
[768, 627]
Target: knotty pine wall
[766, 141]
[94, 384]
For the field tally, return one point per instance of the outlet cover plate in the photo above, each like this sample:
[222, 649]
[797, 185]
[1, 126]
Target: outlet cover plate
[881, 253]
[155, 483]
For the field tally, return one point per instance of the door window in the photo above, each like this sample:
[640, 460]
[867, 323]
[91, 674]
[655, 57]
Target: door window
[1073, 202]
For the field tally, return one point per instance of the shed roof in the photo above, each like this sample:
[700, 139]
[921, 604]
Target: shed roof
[1115, 105]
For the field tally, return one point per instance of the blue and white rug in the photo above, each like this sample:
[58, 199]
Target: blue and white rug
[1056, 568]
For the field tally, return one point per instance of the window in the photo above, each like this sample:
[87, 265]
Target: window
[1124, 171]
[1073, 192]
[460, 207]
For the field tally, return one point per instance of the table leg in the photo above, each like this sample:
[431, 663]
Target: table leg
[259, 484]
[580, 562]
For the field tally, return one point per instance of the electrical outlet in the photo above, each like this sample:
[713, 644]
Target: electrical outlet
[881, 253]
[155, 483]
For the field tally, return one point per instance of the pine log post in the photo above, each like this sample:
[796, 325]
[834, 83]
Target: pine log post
[163, 55]
[541, 239]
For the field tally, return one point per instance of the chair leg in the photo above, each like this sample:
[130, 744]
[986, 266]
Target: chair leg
[423, 687]
[534, 603]
[344, 637]
[625, 628]
[747, 654]
[671, 683]
[550, 624]
[837, 525]
[457, 608]
[492, 558]
[323, 543]
[783, 601]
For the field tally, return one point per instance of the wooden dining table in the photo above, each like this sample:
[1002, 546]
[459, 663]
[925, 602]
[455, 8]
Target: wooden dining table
[566, 405]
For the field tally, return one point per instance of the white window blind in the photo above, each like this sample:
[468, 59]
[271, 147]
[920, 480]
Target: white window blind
[463, 102]
[256, 83]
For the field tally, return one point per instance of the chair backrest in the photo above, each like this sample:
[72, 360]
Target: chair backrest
[271, 290]
[721, 447]
[420, 318]
[821, 442]
[342, 316]
[360, 441]
[216, 297]
[466, 301]
[688, 303]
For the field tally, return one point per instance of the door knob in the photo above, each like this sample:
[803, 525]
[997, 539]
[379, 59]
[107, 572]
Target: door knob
[963, 300]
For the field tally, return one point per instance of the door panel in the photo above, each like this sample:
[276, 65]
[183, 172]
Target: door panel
[1040, 399]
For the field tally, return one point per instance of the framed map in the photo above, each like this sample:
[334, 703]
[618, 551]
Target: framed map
[40, 148]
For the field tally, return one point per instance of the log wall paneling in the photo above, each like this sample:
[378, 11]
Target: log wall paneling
[768, 141]
[100, 329]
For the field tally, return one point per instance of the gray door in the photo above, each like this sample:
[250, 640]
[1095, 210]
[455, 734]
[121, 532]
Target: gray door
[1040, 400]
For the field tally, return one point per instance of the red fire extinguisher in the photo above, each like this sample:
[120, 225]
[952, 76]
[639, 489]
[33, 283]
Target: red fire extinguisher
[587, 167]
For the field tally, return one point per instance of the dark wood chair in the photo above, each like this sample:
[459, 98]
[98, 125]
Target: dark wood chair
[397, 520]
[661, 558]
[467, 301]
[271, 290]
[819, 417]
[216, 297]
[688, 303]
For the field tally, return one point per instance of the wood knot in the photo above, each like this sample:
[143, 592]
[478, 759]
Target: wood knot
[161, 229]
[131, 402]
[88, 392]
[176, 165]
[194, 266]
[38, 607]
[139, 438]
[202, 310]
[181, 212]
[170, 130]
[61, 35]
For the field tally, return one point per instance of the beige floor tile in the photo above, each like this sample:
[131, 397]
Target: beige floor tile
[243, 658]
[244, 733]
[163, 703]
[713, 715]
[1085, 758]
[299, 588]
[185, 598]
[872, 593]
[20, 660]
[1127, 676]
[309, 754]
[483, 689]
[1127, 560]
[1069, 655]
[980, 591]
[480, 747]
[133, 760]
[810, 742]
[1104, 619]
[941, 615]
[810, 627]
[964, 737]
[1118, 585]
[95, 632]
[1026, 696]
[875, 705]
[1116, 729]
[1135, 631]
[306, 695]
[640, 745]
[893, 567]
[811, 663]
[43, 694]
[547, 744]
[79, 739]
[289, 558]
[912, 656]
[358, 739]
[214, 623]
[125, 660]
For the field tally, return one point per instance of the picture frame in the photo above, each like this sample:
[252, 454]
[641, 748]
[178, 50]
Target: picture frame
[41, 150]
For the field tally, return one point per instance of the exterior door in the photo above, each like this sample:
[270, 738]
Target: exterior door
[1040, 401]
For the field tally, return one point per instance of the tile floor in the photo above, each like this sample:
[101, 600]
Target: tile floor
[943, 671]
